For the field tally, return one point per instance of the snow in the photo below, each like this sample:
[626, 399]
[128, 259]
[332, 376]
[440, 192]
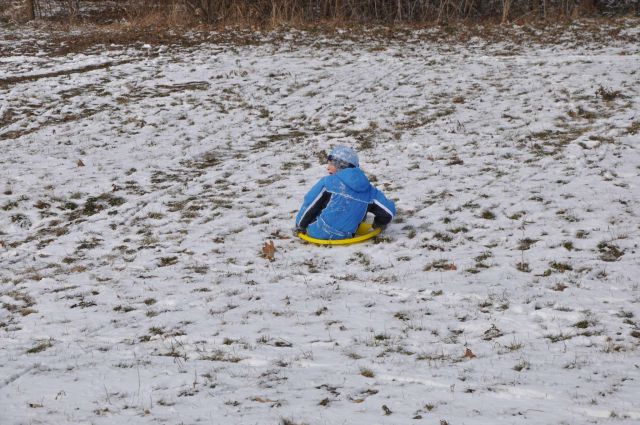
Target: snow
[132, 286]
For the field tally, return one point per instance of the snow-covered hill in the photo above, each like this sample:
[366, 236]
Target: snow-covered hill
[140, 183]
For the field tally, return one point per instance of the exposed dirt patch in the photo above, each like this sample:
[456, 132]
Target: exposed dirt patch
[4, 82]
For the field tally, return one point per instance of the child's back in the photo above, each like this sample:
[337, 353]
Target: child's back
[339, 202]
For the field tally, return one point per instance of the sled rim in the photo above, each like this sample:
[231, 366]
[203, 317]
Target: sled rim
[360, 238]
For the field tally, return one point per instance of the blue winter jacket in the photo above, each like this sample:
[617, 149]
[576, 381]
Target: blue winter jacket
[338, 203]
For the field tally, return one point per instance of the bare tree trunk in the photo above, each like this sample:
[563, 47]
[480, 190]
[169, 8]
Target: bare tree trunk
[31, 10]
[506, 5]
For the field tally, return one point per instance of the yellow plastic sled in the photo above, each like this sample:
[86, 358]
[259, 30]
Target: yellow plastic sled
[364, 232]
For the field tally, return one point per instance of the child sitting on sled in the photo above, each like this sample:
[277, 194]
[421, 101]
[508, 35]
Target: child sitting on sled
[339, 202]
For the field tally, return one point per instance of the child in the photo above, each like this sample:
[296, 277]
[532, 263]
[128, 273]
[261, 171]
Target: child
[339, 202]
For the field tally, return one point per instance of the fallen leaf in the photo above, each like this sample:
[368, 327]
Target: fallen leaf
[469, 354]
[80, 163]
[269, 250]
[386, 410]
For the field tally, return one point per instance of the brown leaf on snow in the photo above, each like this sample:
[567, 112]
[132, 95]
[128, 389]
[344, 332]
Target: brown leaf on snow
[469, 354]
[80, 163]
[268, 251]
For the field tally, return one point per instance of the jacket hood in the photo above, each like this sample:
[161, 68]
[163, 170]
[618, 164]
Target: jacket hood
[354, 178]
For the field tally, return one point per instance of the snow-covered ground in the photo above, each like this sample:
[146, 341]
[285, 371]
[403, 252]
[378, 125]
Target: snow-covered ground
[140, 183]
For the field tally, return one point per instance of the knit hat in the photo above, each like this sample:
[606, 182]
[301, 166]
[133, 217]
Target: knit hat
[344, 155]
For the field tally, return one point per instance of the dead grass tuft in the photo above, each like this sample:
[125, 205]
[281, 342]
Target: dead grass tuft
[609, 94]
[43, 345]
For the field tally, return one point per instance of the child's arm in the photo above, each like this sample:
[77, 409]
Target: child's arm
[314, 202]
[382, 208]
